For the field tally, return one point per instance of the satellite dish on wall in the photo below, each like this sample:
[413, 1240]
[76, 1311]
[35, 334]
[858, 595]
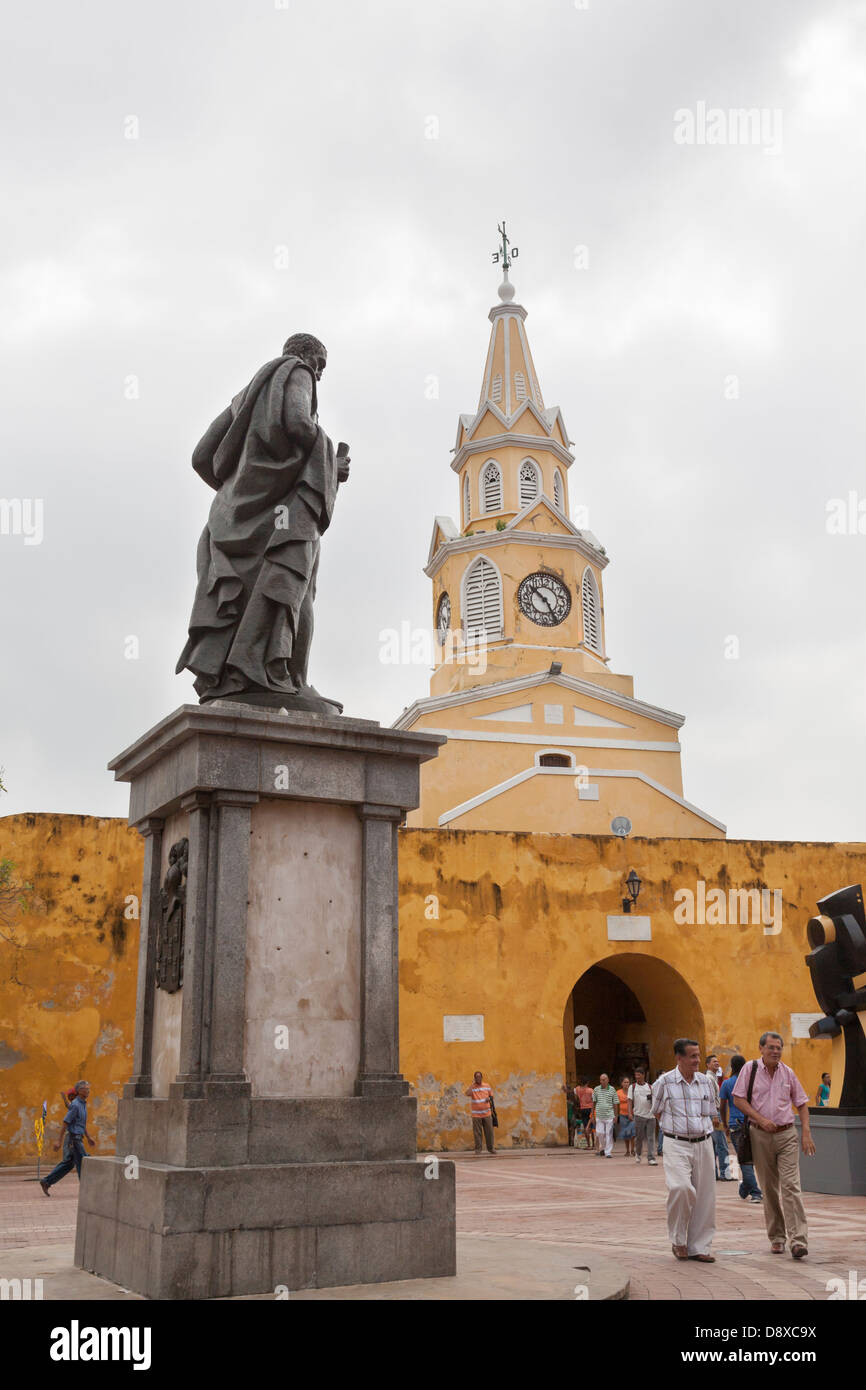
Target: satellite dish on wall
[621, 825]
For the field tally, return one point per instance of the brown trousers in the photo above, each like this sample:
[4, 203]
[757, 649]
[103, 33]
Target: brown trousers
[482, 1125]
[777, 1164]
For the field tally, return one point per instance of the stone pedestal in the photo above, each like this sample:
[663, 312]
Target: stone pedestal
[266, 1137]
[839, 1164]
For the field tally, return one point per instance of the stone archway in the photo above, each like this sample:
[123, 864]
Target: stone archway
[633, 1006]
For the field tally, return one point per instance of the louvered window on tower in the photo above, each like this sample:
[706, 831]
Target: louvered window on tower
[557, 490]
[519, 386]
[491, 488]
[467, 510]
[482, 601]
[529, 486]
[591, 611]
[496, 388]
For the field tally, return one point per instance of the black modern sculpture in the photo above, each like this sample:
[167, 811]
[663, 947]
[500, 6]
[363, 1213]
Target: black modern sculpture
[837, 964]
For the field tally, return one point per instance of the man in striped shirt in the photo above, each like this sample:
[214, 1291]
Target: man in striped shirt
[480, 1095]
[684, 1100]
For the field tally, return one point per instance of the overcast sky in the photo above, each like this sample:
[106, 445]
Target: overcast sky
[706, 348]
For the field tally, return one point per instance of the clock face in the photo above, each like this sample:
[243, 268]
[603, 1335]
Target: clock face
[544, 599]
[443, 619]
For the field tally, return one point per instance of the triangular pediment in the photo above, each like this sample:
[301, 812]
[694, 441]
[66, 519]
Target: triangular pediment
[444, 530]
[543, 516]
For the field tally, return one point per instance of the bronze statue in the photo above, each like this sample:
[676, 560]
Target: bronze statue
[275, 473]
[836, 960]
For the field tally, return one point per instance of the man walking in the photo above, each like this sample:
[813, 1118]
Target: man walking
[74, 1131]
[733, 1121]
[640, 1110]
[606, 1102]
[775, 1094]
[481, 1097]
[720, 1139]
[684, 1100]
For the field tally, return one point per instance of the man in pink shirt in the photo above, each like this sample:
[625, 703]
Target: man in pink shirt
[776, 1093]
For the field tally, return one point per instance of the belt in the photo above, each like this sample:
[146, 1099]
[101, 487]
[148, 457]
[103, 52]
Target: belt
[698, 1138]
[779, 1128]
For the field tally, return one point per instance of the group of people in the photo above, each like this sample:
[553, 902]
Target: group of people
[698, 1113]
[602, 1113]
[759, 1100]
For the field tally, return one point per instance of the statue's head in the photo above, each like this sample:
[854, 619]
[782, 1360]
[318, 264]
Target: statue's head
[309, 349]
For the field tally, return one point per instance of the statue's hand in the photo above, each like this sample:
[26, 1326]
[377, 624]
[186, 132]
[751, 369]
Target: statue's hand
[343, 462]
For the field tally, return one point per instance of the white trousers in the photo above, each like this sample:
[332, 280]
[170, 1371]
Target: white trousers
[690, 1174]
[604, 1134]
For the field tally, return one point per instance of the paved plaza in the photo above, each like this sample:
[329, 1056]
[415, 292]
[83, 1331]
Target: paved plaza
[526, 1216]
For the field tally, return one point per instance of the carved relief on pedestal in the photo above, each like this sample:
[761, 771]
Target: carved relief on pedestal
[169, 946]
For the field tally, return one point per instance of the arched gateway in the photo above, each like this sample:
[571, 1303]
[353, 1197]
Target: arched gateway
[626, 1009]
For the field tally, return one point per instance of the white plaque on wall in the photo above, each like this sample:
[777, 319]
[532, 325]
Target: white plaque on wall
[628, 928]
[800, 1024]
[463, 1027]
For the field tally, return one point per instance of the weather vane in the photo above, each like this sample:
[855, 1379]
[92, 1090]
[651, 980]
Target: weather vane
[502, 255]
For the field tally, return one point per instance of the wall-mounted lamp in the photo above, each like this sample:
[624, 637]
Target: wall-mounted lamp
[633, 884]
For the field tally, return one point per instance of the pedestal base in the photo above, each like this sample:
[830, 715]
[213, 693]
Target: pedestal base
[244, 1160]
[839, 1165]
[193, 1233]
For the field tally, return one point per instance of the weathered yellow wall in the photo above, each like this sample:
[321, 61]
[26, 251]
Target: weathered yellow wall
[68, 975]
[520, 918]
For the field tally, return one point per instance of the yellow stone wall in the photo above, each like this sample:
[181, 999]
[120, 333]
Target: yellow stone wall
[499, 924]
[68, 971]
[522, 916]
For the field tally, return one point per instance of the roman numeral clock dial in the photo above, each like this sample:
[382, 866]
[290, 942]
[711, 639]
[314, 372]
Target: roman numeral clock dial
[544, 599]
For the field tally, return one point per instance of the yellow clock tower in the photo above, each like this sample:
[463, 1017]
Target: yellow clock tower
[542, 735]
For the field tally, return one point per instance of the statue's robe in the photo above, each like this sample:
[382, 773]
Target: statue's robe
[258, 553]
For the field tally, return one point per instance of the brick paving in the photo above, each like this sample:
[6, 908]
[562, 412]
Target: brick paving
[27, 1217]
[614, 1206]
[565, 1197]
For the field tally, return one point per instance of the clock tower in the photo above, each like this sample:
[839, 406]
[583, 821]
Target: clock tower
[542, 735]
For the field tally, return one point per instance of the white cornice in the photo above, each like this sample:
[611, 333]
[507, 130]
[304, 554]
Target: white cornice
[529, 442]
[637, 745]
[589, 689]
[485, 540]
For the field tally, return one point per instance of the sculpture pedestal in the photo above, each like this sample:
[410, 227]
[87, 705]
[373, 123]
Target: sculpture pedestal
[267, 1137]
[839, 1164]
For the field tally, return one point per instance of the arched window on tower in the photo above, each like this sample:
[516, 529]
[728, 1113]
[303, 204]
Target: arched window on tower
[555, 760]
[558, 491]
[482, 601]
[491, 488]
[467, 509]
[530, 482]
[591, 611]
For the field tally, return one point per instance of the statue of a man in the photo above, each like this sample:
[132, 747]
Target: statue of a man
[276, 475]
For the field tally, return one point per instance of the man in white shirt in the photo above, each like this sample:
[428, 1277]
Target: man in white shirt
[684, 1101]
[640, 1109]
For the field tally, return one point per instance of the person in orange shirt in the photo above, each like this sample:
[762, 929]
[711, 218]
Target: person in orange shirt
[626, 1126]
[481, 1097]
